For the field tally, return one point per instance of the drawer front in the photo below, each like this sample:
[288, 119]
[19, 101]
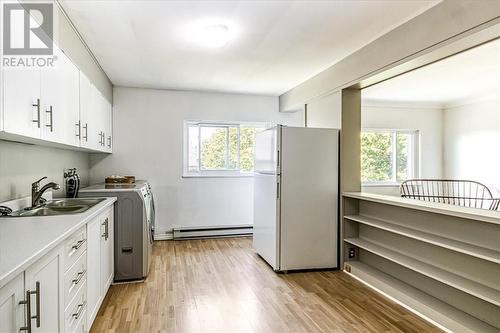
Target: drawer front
[77, 310]
[81, 326]
[74, 246]
[74, 278]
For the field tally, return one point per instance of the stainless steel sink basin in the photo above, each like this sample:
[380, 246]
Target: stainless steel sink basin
[59, 207]
[73, 202]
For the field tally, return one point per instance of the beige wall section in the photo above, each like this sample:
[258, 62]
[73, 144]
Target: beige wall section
[325, 112]
[471, 136]
[439, 26]
[69, 41]
[350, 141]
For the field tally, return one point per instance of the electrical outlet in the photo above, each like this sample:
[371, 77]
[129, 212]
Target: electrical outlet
[352, 252]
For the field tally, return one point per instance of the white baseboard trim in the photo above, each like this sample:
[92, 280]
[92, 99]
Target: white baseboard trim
[213, 231]
[167, 235]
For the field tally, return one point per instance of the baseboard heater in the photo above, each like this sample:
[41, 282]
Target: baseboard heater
[212, 232]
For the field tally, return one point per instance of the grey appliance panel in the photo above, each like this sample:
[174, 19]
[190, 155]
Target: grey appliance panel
[128, 232]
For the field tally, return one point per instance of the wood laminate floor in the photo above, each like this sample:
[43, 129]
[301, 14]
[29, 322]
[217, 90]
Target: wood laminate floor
[221, 285]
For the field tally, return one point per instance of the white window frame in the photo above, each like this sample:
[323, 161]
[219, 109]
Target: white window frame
[224, 173]
[414, 164]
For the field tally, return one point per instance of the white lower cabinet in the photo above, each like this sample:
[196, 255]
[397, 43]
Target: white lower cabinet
[106, 254]
[100, 262]
[11, 311]
[44, 280]
[62, 292]
[93, 270]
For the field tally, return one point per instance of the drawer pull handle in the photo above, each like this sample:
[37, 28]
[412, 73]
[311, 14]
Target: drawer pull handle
[79, 277]
[78, 244]
[78, 313]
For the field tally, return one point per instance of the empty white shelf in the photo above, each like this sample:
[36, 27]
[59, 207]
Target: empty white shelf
[472, 250]
[423, 304]
[468, 286]
[482, 215]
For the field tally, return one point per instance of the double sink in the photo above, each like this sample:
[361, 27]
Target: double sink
[59, 207]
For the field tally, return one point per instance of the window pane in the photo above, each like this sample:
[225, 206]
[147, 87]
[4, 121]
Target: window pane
[193, 162]
[233, 148]
[213, 147]
[376, 156]
[403, 156]
[247, 147]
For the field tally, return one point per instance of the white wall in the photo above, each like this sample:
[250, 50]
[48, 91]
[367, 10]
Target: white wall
[148, 143]
[325, 112]
[22, 164]
[472, 138]
[429, 122]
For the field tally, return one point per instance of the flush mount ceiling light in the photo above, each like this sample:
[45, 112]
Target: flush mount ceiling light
[211, 35]
[215, 36]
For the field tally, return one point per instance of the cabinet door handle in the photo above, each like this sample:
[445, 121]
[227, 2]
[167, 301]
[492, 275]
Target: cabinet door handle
[27, 302]
[109, 141]
[86, 128]
[106, 229]
[100, 138]
[79, 127]
[37, 105]
[51, 124]
[37, 300]
[78, 313]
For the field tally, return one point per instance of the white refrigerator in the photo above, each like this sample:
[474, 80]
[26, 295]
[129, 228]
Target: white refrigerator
[296, 197]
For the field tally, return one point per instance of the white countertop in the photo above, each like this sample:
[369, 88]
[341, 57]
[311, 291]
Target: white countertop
[24, 240]
[477, 214]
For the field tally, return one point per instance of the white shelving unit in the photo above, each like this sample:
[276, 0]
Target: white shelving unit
[439, 260]
[451, 244]
[439, 312]
[471, 287]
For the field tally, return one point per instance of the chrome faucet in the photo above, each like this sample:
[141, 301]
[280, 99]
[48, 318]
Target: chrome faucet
[36, 192]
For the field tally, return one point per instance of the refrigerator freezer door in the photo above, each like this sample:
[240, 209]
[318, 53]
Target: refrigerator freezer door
[266, 151]
[266, 217]
[309, 198]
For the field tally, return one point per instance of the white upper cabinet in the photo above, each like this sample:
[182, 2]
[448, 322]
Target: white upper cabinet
[108, 128]
[88, 114]
[95, 117]
[60, 101]
[55, 105]
[22, 111]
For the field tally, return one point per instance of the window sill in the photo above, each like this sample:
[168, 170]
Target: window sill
[380, 184]
[190, 175]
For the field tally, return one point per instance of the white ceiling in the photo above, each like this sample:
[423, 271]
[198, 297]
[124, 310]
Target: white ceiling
[276, 44]
[457, 79]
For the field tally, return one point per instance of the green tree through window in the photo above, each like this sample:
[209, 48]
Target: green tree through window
[388, 155]
[222, 147]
